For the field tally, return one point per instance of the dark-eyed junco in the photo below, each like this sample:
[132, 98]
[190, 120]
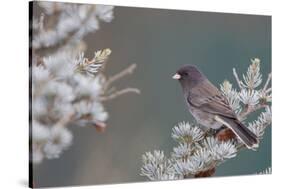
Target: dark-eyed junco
[208, 105]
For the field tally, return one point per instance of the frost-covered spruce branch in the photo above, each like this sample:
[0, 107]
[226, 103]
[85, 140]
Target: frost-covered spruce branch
[199, 152]
[63, 25]
[266, 171]
[68, 89]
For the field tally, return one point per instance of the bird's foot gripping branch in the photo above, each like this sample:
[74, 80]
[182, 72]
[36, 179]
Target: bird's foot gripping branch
[199, 152]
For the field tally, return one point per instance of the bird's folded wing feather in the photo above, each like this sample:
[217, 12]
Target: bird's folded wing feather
[209, 99]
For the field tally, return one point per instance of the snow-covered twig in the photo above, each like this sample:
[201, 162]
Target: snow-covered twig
[237, 78]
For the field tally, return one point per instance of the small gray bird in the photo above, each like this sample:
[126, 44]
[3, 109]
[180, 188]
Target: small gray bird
[208, 105]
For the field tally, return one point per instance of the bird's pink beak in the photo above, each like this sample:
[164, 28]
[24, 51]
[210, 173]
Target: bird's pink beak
[177, 76]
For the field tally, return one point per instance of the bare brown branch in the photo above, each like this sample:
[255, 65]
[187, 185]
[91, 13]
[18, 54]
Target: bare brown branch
[237, 78]
[65, 120]
[127, 71]
[119, 93]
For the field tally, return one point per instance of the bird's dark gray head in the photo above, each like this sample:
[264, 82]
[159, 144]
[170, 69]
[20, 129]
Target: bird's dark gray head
[188, 76]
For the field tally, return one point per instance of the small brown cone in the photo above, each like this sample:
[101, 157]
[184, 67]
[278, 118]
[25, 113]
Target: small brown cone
[100, 126]
[207, 173]
[225, 134]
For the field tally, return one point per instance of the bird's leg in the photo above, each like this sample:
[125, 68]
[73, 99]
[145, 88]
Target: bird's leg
[209, 132]
[220, 129]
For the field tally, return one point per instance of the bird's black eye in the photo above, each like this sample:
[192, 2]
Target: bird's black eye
[186, 74]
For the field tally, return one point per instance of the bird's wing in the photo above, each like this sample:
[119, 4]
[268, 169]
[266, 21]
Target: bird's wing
[209, 99]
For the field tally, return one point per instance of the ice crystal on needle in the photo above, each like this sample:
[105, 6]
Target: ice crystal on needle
[253, 78]
[185, 132]
[92, 67]
[267, 171]
[157, 166]
[231, 95]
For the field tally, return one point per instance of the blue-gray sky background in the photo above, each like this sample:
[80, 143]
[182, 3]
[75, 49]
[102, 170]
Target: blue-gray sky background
[159, 41]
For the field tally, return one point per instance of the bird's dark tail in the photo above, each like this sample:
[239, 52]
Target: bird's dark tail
[241, 131]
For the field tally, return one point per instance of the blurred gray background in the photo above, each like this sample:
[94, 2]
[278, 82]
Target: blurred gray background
[159, 42]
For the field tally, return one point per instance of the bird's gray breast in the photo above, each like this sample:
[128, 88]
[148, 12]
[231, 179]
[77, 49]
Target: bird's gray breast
[204, 118]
